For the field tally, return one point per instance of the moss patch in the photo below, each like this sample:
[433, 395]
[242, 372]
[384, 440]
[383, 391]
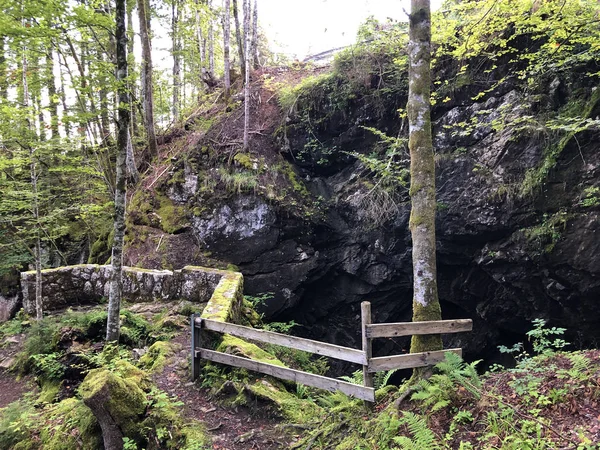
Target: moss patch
[156, 356]
[226, 298]
[238, 347]
[126, 402]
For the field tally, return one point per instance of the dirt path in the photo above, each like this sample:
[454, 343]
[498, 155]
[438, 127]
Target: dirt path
[230, 429]
[10, 389]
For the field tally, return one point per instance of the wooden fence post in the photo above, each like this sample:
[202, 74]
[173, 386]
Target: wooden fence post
[365, 310]
[196, 343]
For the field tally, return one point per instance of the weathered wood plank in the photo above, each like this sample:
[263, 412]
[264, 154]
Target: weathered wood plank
[410, 360]
[380, 330]
[196, 342]
[308, 345]
[367, 347]
[284, 373]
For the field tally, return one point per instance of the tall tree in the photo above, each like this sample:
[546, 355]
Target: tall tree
[175, 16]
[238, 38]
[247, 72]
[254, 48]
[426, 305]
[116, 280]
[39, 312]
[226, 33]
[211, 41]
[147, 94]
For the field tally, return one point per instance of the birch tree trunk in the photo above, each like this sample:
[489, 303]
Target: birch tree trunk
[247, 73]
[37, 252]
[426, 305]
[238, 39]
[176, 59]
[147, 94]
[226, 33]
[254, 48]
[211, 41]
[116, 280]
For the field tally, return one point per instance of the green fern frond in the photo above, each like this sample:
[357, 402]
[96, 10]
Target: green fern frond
[422, 437]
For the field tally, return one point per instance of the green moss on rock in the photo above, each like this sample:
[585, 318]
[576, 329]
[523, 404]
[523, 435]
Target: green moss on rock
[225, 303]
[156, 356]
[238, 347]
[125, 401]
[73, 426]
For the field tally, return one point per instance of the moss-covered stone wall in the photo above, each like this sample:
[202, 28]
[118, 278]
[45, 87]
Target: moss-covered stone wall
[88, 283]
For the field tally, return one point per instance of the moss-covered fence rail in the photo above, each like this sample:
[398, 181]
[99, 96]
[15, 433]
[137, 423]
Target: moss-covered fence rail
[217, 317]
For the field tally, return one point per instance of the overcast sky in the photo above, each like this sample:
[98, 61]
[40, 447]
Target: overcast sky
[300, 28]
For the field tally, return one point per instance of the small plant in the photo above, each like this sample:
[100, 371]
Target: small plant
[440, 389]
[280, 327]
[541, 338]
[422, 437]
[591, 197]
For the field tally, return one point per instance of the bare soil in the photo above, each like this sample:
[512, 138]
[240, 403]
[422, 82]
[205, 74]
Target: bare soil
[230, 428]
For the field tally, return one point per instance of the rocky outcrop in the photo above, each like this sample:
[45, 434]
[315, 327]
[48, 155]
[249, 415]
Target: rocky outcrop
[516, 240]
[74, 285]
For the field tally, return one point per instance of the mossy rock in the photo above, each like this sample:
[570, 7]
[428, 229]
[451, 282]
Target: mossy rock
[287, 404]
[121, 397]
[244, 160]
[73, 425]
[238, 347]
[127, 370]
[156, 356]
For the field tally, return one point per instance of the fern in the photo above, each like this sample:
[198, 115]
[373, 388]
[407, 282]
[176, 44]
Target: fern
[440, 389]
[380, 379]
[422, 437]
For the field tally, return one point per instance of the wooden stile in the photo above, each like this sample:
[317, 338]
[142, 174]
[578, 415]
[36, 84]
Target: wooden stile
[380, 330]
[308, 345]
[410, 360]
[309, 379]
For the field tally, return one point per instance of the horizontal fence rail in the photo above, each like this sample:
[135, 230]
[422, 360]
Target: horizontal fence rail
[309, 379]
[270, 337]
[381, 330]
[410, 360]
[363, 357]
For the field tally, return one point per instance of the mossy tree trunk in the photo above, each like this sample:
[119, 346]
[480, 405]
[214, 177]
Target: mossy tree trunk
[116, 280]
[426, 305]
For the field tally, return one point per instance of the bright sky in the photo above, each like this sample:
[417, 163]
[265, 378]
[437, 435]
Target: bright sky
[300, 28]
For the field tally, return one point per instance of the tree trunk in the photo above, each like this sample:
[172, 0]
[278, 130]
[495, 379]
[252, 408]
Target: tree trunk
[147, 95]
[426, 305]
[247, 73]
[37, 253]
[254, 48]
[176, 59]
[132, 171]
[3, 70]
[39, 308]
[238, 38]
[116, 280]
[52, 94]
[226, 27]
[211, 41]
[132, 86]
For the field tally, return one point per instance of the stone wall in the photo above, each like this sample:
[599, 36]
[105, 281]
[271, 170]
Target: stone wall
[88, 283]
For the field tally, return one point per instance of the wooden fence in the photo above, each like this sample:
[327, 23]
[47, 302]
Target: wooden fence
[363, 357]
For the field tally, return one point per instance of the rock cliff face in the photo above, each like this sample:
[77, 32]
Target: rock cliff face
[518, 228]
